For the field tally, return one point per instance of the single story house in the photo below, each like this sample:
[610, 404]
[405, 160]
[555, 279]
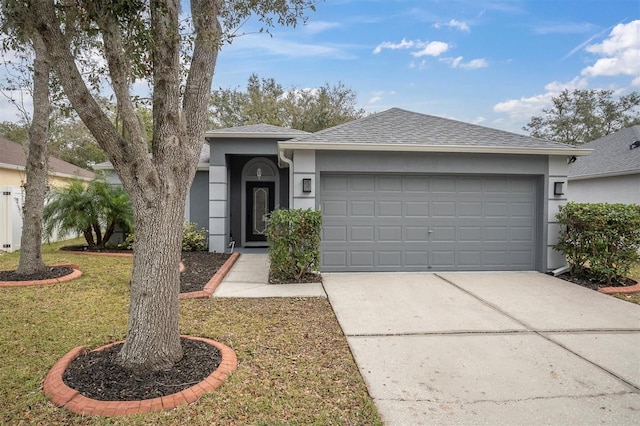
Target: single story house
[399, 191]
[611, 174]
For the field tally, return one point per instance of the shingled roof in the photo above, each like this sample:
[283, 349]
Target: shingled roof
[256, 131]
[405, 130]
[612, 155]
[13, 156]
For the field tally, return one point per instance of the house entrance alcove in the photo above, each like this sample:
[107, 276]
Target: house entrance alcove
[260, 192]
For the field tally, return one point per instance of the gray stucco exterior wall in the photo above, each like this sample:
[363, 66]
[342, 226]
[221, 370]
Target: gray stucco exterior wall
[198, 208]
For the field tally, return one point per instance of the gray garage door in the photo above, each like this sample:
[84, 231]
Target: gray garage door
[427, 223]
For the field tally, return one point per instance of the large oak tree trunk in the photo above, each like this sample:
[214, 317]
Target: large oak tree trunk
[36, 186]
[153, 338]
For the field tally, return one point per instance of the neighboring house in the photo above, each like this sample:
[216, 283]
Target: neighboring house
[399, 191]
[13, 175]
[13, 159]
[611, 174]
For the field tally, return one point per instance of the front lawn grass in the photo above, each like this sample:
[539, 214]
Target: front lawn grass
[295, 366]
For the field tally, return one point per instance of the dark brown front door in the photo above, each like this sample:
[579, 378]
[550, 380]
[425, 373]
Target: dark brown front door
[260, 202]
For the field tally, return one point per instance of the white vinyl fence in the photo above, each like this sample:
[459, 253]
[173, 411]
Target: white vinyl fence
[11, 200]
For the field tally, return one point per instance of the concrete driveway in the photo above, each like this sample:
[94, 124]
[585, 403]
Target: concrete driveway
[490, 348]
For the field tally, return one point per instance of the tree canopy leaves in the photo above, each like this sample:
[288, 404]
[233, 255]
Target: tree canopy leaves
[266, 101]
[581, 116]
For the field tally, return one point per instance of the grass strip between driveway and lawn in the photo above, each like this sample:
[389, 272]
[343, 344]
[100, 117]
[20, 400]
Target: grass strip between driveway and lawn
[295, 366]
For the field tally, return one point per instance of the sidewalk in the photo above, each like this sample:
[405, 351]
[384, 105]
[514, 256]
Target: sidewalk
[249, 277]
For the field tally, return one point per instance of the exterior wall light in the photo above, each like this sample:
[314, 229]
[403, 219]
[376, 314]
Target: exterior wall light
[557, 188]
[306, 185]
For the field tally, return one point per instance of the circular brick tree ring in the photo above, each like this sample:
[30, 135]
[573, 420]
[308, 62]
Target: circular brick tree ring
[64, 396]
[72, 276]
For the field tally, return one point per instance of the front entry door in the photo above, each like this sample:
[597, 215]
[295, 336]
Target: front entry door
[260, 202]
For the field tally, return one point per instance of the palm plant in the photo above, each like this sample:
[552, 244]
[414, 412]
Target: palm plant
[88, 209]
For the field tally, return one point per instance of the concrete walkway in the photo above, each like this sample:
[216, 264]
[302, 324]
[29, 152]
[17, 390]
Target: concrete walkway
[249, 277]
[517, 348]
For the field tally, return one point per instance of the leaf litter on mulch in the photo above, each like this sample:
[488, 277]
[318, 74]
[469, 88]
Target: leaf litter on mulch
[97, 375]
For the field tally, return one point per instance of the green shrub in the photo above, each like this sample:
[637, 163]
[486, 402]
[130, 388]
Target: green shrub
[294, 243]
[600, 241]
[192, 239]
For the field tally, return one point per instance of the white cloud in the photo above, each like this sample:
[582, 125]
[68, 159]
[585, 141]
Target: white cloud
[478, 120]
[434, 48]
[526, 107]
[471, 65]
[379, 95]
[404, 44]
[458, 25]
[621, 51]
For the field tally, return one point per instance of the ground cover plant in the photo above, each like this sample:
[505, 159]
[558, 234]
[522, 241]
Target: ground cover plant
[295, 366]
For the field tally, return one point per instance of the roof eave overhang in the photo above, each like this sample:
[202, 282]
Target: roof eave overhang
[250, 135]
[606, 175]
[53, 173]
[476, 149]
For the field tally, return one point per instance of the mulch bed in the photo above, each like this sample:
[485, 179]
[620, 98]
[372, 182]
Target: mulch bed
[97, 375]
[199, 267]
[306, 278]
[49, 273]
[595, 285]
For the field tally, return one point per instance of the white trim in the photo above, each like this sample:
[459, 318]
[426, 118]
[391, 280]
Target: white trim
[49, 172]
[604, 175]
[431, 148]
[256, 135]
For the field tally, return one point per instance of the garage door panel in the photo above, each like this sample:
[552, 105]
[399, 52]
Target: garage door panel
[362, 234]
[390, 259]
[443, 209]
[415, 222]
[390, 233]
[390, 208]
[361, 258]
[362, 208]
[362, 183]
[417, 184]
[331, 208]
[389, 183]
[470, 209]
[333, 233]
[416, 209]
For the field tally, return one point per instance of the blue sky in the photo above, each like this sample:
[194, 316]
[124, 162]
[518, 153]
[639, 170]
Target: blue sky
[490, 62]
[494, 62]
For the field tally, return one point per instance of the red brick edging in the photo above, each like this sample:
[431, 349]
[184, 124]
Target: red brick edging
[215, 281]
[64, 396]
[72, 276]
[626, 290]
